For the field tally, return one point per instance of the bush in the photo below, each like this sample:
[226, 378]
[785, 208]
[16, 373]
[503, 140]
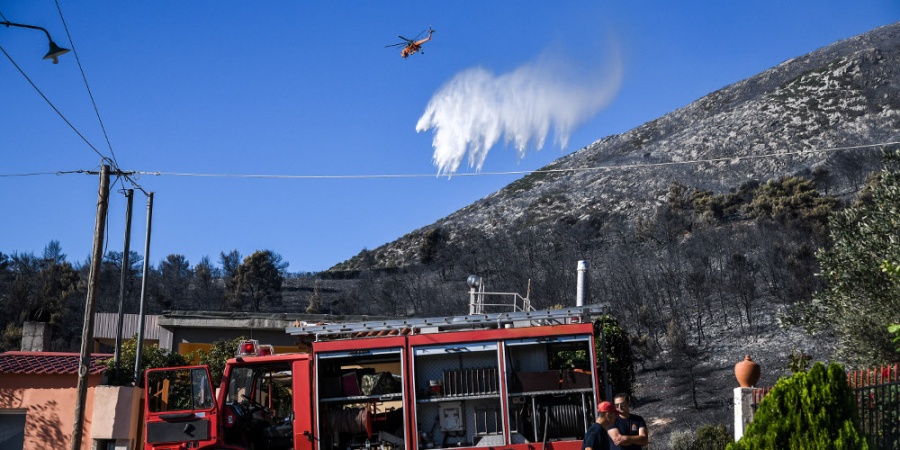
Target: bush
[810, 410]
[707, 437]
[151, 357]
[217, 355]
[681, 440]
[712, 437]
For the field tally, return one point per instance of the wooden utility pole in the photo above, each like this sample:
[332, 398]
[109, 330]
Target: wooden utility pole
[87, 333]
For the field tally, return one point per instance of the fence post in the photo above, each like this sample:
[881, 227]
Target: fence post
[743, 410]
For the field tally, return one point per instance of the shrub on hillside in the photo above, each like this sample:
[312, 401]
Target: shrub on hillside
[810, 410]
[712, 437]
[707, 437]
[682, 440]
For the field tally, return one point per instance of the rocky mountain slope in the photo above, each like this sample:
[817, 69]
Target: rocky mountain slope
[806, 115]
[820, 116]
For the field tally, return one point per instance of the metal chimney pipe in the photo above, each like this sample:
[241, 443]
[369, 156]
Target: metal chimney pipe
[582, 296]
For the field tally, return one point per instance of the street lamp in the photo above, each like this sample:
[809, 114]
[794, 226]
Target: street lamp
[55, 50]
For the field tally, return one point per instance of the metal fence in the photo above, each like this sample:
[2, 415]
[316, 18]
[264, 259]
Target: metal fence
[877, 392]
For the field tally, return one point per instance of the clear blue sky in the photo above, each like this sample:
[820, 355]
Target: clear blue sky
[305, 88]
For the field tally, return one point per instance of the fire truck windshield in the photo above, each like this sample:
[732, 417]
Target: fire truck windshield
[179, 389]
[262, 391]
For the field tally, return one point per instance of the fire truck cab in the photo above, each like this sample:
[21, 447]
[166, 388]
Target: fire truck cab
[512, 380]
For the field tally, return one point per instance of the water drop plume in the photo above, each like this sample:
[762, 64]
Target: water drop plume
[472, 111]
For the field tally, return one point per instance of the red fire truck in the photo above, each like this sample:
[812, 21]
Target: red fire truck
[518, 380]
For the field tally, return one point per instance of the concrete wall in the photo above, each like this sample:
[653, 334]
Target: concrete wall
[117, 412]
[49, 402]
[210, 335]
[207, 329]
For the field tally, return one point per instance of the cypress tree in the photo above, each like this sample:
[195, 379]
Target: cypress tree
[810, 410]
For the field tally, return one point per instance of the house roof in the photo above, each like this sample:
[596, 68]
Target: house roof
[48, 363]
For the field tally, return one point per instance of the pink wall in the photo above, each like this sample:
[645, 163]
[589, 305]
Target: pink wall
[50, 404]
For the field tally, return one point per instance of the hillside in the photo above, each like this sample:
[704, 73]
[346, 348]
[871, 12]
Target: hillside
[788, 120]
[669, 216]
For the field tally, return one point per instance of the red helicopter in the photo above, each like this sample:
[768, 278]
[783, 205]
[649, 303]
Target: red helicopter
[412, 45]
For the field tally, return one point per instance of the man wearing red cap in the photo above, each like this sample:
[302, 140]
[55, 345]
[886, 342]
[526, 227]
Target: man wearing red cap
[602, 434]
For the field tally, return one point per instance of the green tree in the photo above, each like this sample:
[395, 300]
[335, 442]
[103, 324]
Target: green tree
[110, 280]
[36, 289]
[620, 359]
[430, 245]
[230, 262]
[792, 201]
[861, 300]
[259, 279]
[152, 357]
[893, 270]
[216, 357]
[810, 410]
[175, 277]
[206, 291]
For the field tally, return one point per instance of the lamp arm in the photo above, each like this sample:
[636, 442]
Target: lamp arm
[22, 25]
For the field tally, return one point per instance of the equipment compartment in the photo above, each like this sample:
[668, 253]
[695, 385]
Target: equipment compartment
[457, 394]
[551, 387]
[366, 411]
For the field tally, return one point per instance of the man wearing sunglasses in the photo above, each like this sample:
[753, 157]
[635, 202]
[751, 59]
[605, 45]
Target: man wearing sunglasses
[632, 427]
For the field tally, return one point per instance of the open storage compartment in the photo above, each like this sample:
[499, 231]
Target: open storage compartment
[551, 389]
[458, 395]
[360, 396]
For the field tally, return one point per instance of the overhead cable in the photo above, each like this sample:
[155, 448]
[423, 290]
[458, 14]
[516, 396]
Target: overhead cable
[730, 159]
[53, 106]
[115, 163]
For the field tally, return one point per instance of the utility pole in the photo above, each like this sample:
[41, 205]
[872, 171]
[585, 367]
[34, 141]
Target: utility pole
[140, 337]
[87, 334]
[126, 268]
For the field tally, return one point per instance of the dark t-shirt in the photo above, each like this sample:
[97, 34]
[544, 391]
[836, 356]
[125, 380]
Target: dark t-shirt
[629, 427]
[596, 438]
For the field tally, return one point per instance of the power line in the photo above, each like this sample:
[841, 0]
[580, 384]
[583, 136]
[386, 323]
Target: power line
[90, 94]
[112, 161]
[524, 172]
[67, 172]
[732, 159]
[521, 172]
[58, 112]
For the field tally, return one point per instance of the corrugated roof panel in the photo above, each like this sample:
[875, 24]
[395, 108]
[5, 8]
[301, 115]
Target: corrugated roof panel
[106, 324]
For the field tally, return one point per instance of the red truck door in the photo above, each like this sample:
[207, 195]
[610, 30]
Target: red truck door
[179, 408]
[304, 431]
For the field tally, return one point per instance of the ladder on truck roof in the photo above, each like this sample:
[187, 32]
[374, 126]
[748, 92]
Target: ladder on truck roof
[514, 319]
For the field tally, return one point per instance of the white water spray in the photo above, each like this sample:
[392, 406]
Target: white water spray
[473, 110]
